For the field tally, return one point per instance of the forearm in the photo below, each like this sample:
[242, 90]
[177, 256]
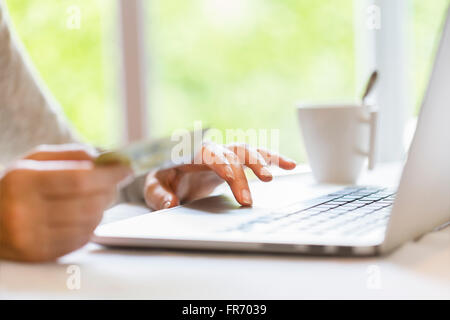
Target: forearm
[134, 192]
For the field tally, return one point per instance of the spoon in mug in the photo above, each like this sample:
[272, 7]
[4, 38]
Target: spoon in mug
[369, 86]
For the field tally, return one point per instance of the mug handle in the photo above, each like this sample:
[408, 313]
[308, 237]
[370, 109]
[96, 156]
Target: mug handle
[373, 121]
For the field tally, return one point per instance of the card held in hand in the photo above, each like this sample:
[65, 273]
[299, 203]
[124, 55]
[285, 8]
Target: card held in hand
[163, 153]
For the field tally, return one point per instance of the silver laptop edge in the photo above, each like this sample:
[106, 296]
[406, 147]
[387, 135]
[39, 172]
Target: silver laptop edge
[422, 202]
[423, 196]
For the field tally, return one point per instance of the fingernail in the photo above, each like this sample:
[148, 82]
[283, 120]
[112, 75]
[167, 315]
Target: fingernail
[166, 204]
[290, 160]
[229, 173]
[246, 198]
[265, 172]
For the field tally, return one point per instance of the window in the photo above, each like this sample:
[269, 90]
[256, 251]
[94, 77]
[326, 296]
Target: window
[245, 64]
[230, 63]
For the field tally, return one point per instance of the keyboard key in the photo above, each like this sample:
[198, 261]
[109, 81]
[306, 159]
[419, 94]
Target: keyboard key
[352, 211]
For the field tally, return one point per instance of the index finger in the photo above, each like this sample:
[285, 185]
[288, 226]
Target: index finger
[62, 152]
[276, 159]
[74, 177]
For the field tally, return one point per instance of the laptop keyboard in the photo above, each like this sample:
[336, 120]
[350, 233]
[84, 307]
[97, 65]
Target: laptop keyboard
[354, 211]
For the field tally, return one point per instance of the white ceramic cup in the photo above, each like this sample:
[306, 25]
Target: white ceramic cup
[339, 138]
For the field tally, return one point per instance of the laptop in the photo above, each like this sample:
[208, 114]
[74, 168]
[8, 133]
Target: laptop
[353, 220]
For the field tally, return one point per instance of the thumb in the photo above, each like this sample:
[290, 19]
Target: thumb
[61, 152]
[159, 195]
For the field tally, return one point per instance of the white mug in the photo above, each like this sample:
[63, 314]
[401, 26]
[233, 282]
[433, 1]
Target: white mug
[338, 140]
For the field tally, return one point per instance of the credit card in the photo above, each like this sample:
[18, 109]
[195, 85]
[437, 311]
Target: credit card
[163, 153]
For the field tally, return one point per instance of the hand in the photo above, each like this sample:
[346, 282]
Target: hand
[214, 165]
[52, 200]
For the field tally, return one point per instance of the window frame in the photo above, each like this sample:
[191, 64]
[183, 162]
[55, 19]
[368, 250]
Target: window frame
[133, 70]
[383, 49]
[386, 49]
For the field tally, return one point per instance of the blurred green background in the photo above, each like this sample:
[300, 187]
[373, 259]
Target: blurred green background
[230, 63]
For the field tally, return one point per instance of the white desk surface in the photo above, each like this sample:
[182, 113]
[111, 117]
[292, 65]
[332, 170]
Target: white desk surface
[417, 270]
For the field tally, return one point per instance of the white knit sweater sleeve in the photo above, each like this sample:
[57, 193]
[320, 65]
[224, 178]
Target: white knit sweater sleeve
[29, 115]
